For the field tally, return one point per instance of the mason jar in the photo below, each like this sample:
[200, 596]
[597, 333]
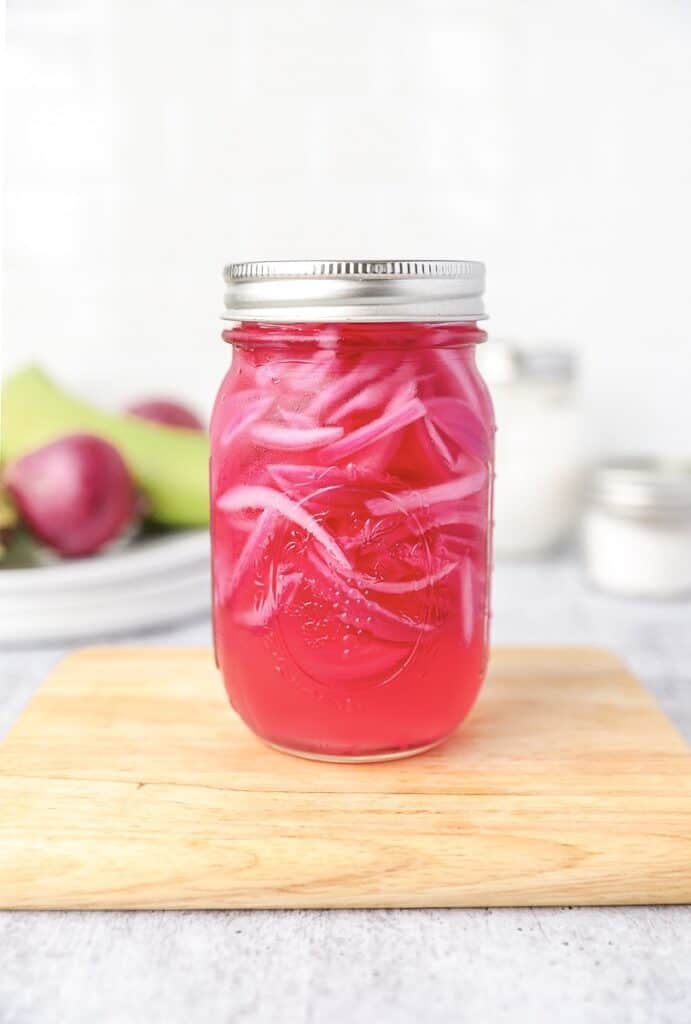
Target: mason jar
[351, 482]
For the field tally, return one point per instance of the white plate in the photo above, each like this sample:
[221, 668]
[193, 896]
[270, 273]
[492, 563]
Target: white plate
[154, 582]
[151, 555]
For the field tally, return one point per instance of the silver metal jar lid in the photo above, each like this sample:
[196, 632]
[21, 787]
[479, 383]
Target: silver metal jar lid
[355, 290]
[642, 485]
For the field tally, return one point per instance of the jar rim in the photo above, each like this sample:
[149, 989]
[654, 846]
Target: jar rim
[355, 290]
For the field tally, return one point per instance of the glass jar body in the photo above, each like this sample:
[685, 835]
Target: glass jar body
[351, 482]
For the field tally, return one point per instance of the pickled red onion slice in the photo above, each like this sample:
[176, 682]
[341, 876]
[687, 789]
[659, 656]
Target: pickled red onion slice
[343, 387]
[296, 439]
[402, 586]
[312, 372]
[287, 475]
[271, 373]
[244, 417]
[372, 461]
[357, 610]
[440, 446]
[457, 372]
[274, 599]
[404, 393]
[252, 548]
[295, 418]
[257, 496]
[372, 396]
[435, 449]
[458, 421]
[454, 514]
[410, 501]
[376, 430]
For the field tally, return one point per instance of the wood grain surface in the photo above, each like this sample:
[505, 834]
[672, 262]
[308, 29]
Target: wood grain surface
[129, 783]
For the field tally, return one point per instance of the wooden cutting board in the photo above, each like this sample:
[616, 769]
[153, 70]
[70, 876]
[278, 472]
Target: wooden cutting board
[129, 782]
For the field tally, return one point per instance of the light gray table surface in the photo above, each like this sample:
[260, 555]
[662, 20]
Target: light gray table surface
[621, 964]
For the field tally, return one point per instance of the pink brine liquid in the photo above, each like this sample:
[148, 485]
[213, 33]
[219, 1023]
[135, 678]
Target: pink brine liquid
[351, 480]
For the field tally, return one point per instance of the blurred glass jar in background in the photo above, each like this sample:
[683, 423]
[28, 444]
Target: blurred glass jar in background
[637, 528]
[540, 448]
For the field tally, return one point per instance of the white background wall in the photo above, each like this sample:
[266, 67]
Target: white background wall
[151, 141]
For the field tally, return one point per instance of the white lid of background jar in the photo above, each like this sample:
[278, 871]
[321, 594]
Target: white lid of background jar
[289, 291]
[642, 486]
[506, 363]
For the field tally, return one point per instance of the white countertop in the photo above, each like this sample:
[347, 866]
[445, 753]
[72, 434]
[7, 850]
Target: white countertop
[594, 965]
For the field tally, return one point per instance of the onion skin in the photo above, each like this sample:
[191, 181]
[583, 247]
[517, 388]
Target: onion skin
[166, 411]
[75, 494]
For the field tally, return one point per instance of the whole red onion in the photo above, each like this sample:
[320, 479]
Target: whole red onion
[75, 494]
[163, 410]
